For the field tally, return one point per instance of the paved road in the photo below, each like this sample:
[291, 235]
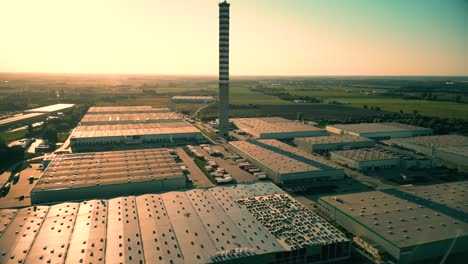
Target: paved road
[198, 177]
[22, 187]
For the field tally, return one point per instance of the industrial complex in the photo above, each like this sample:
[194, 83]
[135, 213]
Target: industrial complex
[380, 131]
[276, 128]
[237, 224]
[333, 142]
[151, 185]
[450, 149]
[83, 176]
[411, 224]
[284, 166]
[120, 126]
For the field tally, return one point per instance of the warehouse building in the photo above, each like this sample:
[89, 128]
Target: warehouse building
[276, 128]
[244, 223]
[365, 159]
[21, 119]
[126, 109]
[284, 165]
[452, 150]
[32, 115]
[380, 158]
[50, 109]
[333, 142]
[411, 224]
[193, 99]
[92, 175]
[130, 118]
[118, 127]
[379, 131]
[96, 137]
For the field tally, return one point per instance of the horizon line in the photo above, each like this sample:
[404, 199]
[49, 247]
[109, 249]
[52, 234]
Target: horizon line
[233, 75]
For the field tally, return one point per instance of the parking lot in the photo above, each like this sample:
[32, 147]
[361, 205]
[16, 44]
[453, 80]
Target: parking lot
[228, 164]
[199, 179]
[18, 195]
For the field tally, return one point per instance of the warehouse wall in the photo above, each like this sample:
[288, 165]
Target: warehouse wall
[354, 226]
[458, 161]
[106, 191]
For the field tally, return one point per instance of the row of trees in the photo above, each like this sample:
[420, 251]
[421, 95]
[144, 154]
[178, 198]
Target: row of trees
[9, 155]
[439, 125]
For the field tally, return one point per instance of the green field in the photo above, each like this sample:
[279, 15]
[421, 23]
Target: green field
[429, 108]
[242, 95]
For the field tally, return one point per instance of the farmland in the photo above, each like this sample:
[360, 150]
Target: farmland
[321, 99]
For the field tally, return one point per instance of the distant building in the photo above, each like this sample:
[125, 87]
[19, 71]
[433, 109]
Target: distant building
[50, 109]
[411, 224]
[276, 128]
[94, 175]
[333, 142]
[142, 109]
[130, 118]
[244, 223]
[118, 127]
[380, 158]
[452, 150]
[193, 99]
[285, 164]
[379, 131]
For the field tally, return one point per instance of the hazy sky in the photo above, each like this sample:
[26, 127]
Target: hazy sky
[268, 37]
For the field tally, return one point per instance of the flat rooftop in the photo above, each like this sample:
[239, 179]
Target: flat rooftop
[50, 108]
[264, 125]
[106, 168]
[434, 141]
[196, 226]
[130, 118]
[115, 130]
[185, 97]
[378, 127]
[272, 159]
[366, 154]
[126, 109]
[461, 151]
[333, 139]
[408, 220]
[18, 118]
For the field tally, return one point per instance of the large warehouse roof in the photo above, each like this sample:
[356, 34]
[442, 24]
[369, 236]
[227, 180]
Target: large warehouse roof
[196, 226]
[19, 118]
[133, 129]
[272, 159]
[130, 118]
[106, 168]
[332, 139]
[407, 220]
[265, 125]
[434, 141]
[126, 109]
[378, 127]
[366, 154]
[50, 108]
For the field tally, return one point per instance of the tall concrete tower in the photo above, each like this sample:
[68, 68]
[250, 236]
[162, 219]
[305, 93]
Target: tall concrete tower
[223, 69]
